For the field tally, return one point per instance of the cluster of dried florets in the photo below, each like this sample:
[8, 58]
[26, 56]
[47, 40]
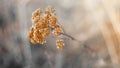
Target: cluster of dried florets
[44, 23]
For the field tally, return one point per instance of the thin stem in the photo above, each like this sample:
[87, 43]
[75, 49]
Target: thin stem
[89, 48]
[85, 45]
[72, 38]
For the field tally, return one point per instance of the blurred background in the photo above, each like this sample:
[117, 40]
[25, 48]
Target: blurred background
[95, 24]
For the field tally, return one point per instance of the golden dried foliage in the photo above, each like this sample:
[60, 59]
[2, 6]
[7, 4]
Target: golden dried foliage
[44, 23]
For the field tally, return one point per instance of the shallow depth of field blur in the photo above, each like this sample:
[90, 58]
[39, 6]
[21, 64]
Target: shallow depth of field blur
[95, 23]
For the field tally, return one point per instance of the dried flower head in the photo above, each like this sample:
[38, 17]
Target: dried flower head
[60, 44]
[57, 30]
[43, 24]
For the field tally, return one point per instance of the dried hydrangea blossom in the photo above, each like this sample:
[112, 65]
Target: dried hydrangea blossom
[57, 30]
[60, 44]
[43, 24]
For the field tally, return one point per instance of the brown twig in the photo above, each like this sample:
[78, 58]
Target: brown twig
[85, 45]
[72, 38]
